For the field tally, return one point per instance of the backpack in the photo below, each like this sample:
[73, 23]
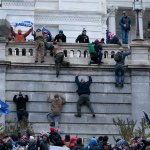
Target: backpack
[91, 48]
[118, 56]
[55, 138]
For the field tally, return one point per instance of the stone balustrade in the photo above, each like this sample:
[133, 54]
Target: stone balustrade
[75, 53]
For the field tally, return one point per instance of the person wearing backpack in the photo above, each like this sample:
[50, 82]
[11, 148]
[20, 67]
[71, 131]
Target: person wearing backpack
[95, 50]
[78, 145]
[55, 137]
[119, 67]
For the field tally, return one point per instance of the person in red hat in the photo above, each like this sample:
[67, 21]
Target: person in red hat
[96, 58]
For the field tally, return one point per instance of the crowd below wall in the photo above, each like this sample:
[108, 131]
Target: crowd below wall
[43, 141]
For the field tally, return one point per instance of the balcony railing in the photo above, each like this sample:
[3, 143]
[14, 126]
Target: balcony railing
[74, 53]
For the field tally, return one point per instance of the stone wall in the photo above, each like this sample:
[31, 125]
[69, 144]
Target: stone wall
[39, 80]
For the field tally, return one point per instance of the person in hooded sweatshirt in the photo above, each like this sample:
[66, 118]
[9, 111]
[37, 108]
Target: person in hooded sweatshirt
[92, 145]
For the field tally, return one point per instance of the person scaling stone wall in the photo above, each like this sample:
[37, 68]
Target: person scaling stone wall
[20, 101]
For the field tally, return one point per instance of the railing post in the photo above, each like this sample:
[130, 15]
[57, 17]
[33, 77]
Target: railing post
[2, 48]
[2, 77]
[139, 53]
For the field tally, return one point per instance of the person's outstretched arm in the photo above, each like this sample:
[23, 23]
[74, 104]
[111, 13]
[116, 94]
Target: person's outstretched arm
[26, 98]
[15, 99]
[12, 31]
[90, 79]
[28, 32]
[77, 80]
[62, 98]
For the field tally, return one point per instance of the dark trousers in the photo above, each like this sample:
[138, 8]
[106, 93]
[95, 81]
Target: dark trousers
[21, 114]
[84, 100]
[59, 60]
[96, 58]
[119, 75]
[125, 36]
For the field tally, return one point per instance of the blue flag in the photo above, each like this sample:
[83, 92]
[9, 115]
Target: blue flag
[4, 108]
[47, 32]
[147, 118]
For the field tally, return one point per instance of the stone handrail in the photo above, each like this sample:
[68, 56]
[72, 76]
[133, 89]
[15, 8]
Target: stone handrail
[74, 52]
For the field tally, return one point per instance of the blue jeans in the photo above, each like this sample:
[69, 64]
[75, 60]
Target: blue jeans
[125, 36]
[54, 118]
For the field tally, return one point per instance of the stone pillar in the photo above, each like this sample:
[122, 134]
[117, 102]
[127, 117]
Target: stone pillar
[112, 19]
[2, 77]
[141, 24]
[140, 53]
[140, 79]
[2, 48]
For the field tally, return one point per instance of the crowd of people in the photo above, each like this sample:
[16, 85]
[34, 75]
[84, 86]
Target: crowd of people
[45, 141]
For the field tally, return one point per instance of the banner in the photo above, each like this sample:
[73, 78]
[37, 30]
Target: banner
[58, 148]
[24, 24]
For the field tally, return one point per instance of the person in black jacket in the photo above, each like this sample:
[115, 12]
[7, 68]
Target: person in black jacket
[60, 37]
[83, 38]
[20, 101]
[83, 92]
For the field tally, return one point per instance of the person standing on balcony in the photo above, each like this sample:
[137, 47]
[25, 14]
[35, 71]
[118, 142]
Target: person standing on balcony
[83, 92]
[56, 106]
[83, 38]
[40, 46]
[125, 24]
[60, 37]
[20, 101]
[19, 37]
[58, 54]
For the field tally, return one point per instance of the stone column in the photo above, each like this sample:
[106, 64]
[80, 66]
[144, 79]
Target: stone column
[112, 19]
[2, 77]
[141, 24]
[140, 78]
[2, 48]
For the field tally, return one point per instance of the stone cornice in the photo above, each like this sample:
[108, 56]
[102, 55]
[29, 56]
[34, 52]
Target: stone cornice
[18, 4]
[66, 18]
[65, 12]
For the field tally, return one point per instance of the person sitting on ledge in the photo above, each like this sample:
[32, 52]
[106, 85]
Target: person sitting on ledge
[114, 39]
[19, 37]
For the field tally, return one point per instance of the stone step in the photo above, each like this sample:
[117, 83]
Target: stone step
[69, 118]
[62, 78]
[61, 87]
[71, 107]
[73, 97]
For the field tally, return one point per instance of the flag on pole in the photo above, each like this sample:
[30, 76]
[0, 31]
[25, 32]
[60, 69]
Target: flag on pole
[47, 32]
[4, 108]
[147, 118]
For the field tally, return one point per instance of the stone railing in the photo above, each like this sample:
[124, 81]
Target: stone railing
[75, 53]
